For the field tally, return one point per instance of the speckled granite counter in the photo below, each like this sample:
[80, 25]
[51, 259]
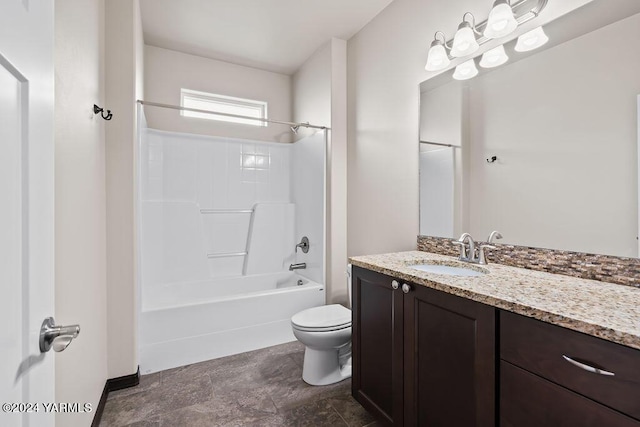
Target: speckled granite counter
[601, 309]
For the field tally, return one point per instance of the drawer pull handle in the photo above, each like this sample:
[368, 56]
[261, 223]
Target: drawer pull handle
[587, 367]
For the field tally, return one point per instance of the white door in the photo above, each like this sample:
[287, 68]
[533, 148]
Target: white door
[26, 209]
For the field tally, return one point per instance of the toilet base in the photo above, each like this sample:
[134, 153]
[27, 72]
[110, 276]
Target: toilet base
[322, 367]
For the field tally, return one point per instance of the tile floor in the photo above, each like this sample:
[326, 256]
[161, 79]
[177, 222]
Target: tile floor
[259, 388]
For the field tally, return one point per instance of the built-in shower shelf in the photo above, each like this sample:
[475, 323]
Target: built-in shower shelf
[226, 211]
[226, 254]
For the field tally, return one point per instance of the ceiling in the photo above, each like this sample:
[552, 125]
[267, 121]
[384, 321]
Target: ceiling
[274, 35]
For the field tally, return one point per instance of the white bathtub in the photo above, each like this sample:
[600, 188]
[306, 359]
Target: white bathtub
[184, 323]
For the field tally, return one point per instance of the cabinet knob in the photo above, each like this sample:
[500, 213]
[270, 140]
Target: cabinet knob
[395, 284]
[406, 288]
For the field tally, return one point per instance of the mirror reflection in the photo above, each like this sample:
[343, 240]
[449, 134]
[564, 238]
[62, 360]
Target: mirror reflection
[543, 148]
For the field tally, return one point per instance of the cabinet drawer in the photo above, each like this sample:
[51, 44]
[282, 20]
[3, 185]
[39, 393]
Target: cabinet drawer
[527, 400]
[539, 348]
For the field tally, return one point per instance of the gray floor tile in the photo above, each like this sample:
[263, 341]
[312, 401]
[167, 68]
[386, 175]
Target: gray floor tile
[147, 382]
[258, 388]
[351, 411]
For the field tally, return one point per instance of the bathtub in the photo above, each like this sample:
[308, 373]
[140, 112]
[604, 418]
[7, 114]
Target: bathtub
[189, 322]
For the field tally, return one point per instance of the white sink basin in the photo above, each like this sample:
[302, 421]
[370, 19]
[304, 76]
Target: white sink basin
[449, 270]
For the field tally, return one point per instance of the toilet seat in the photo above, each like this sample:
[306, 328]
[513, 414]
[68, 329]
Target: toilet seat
[322, 319]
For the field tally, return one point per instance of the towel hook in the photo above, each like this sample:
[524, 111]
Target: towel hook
[99, 110]
[492, 159]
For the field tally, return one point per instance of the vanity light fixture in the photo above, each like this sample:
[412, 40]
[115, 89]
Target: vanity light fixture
[494, 57]
[464, 42]
[504, 18]
[466, 70]
[437, 58]
[501, 20]
[531, 40]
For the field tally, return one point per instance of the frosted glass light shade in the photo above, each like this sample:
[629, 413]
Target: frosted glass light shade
[531, 40]
[464, 42]
[501, 21]
[494, 57]
[466, 70]
[437, 58]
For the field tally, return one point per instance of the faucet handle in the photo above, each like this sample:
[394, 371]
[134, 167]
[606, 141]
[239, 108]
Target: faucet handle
[304, 245]
[481, 255]
[463, 248]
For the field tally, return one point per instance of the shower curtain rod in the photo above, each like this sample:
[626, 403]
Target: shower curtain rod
[195, 110]
[439, 143]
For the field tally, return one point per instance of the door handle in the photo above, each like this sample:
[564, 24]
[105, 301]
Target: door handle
[58, 337]
[406, 288]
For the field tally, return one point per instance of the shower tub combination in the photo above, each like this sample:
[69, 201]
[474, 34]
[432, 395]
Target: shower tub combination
[190, 322]
[219, 222]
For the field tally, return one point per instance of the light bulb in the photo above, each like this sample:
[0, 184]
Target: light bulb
[494, 57]
[501, 21]
[531, 40]
[464, 42]
[466, 70]
[437, 58]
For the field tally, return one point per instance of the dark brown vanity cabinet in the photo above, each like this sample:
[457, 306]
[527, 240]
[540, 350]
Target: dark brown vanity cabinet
[552, 376]
[377, 346]
[422, 357]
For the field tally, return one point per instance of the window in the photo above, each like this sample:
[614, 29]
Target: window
[223, 104]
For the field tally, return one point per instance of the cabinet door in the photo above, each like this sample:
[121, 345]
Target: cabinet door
[449, 360]
[377, 345]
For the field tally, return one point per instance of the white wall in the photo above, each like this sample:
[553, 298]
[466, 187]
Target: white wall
[386, 64]
[123, 58]
[567, 171]
[319, 97]
[168, 71]
[80, 241]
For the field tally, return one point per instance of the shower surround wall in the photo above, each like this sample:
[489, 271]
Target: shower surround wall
[219, 220]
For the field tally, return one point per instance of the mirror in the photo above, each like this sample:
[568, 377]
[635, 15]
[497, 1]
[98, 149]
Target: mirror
[544, 147]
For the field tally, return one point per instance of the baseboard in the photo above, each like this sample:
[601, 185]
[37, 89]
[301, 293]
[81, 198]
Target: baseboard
[103, 400]
[110, 385]
[124, 382]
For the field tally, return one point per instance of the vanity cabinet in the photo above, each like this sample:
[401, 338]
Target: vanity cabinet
[422, 357]
[377, 345]
[552, 376]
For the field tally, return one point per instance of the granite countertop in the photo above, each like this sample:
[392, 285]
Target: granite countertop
[600, 309]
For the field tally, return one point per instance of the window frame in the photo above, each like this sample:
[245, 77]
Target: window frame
[222, 100]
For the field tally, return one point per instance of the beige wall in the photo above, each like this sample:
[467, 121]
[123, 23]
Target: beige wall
[168, 71]
[123, 59]
[80, 240]
[319, 97]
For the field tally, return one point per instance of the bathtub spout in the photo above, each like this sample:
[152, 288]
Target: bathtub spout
[297, 266]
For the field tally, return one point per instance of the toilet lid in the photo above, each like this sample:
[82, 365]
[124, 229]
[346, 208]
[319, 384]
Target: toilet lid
[323, 317]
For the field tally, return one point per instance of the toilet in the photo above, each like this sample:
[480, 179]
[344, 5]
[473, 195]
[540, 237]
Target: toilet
[326, 333]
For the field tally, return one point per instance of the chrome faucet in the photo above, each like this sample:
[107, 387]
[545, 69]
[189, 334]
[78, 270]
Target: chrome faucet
[468, 252]
[494, 234]
[298, 266]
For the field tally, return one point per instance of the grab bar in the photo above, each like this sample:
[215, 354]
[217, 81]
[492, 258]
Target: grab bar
[225, 211]
[226, 254]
